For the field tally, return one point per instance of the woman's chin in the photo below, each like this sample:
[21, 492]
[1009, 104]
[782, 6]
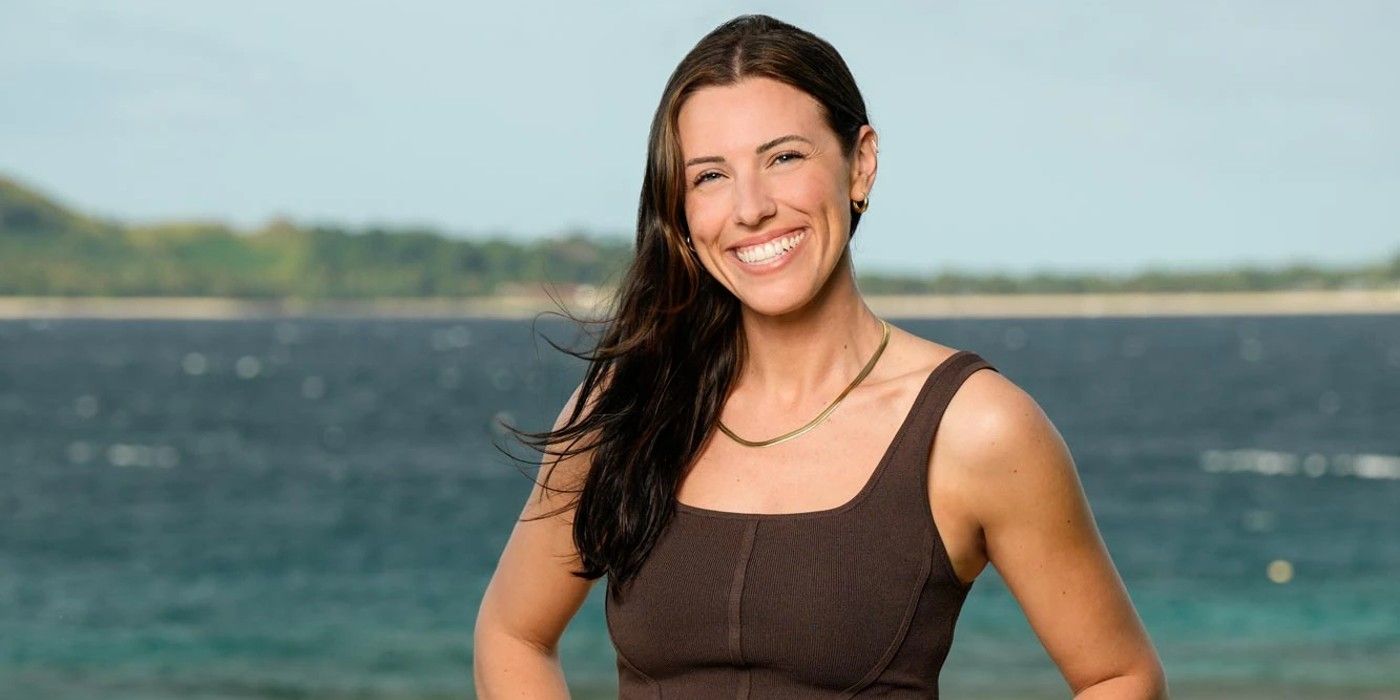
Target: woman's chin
[776, 299]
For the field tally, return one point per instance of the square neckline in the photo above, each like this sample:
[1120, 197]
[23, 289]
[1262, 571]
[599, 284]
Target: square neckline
[880, 467]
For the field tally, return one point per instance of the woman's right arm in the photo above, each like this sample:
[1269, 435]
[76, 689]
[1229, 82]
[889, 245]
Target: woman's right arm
[532, 596]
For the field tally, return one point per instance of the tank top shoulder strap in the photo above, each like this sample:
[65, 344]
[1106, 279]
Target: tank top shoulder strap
[914, 443]
[938, 390]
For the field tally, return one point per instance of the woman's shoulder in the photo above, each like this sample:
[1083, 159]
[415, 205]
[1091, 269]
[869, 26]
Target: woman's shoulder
[1003, 447]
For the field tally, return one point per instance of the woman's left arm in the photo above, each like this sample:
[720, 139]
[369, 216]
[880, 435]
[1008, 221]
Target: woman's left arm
[1040, 534]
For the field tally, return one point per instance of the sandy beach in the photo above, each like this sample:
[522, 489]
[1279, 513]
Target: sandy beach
[912, 306]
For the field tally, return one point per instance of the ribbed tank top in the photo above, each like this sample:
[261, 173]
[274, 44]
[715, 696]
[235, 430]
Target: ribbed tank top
[856, 600]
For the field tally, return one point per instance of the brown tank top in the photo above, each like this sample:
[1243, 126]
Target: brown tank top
[856, 600]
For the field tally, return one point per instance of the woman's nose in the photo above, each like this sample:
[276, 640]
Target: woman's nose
[752, 201]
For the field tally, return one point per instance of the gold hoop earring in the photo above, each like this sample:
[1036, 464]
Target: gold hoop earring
[862, 205]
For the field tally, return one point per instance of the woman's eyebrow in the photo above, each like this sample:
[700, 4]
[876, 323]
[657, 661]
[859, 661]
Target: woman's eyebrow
[757, 151]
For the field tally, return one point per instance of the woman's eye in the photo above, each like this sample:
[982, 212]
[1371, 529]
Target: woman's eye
[705, 176]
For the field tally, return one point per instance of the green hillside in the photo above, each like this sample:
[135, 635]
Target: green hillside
[48, 249]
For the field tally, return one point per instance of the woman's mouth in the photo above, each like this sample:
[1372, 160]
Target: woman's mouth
[770, 254]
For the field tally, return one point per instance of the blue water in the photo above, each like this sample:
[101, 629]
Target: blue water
[312, 507]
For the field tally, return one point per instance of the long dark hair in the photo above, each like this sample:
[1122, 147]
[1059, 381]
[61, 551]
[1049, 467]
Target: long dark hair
[671, 345]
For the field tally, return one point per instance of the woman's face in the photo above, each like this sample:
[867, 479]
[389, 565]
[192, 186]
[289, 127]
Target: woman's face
[762, 167]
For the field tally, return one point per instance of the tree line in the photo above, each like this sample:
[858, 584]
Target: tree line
[47, 249]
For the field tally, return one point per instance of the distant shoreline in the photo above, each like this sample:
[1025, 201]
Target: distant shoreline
[1359, 301]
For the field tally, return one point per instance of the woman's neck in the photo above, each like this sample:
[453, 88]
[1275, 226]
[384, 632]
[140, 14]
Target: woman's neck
[810, 355]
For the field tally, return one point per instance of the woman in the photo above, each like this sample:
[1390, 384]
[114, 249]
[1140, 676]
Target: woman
[750, 456]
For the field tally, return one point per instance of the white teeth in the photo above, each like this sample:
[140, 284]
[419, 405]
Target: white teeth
[772, 249]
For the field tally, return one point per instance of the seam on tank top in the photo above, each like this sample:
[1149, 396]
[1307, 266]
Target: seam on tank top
[607, 620]
[655, 686]
[736, 600]
[736, 595]
[910, 609]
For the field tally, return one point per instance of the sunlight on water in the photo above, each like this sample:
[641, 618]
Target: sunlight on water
[127, 455]
[453, 338]
[1280, 571]
[1273, 463]
[195, 364]
[247, 367]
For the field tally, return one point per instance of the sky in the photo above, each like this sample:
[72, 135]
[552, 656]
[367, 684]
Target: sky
[1014, 136]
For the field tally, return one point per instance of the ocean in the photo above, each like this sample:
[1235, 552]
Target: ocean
[312, 507]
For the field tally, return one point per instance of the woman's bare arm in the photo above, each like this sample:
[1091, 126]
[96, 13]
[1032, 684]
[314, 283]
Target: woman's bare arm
[532, 596]
[1040, 535]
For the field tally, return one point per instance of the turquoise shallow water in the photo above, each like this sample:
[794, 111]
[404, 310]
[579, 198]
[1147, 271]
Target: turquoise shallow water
[311, 508]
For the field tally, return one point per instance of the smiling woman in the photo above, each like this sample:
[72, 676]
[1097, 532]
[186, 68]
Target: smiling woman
[771, 225]
[832, 559]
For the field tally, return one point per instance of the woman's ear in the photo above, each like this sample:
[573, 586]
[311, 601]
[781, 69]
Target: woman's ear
[865, 163]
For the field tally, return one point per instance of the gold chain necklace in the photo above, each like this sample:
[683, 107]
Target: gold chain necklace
[815, 421]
